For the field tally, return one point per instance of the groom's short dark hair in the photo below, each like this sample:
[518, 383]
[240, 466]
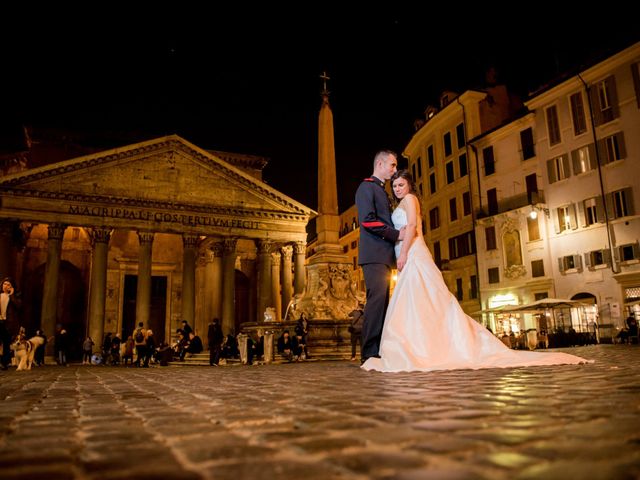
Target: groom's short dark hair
[381, 154]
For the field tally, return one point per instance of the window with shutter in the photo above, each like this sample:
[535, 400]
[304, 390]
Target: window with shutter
[473, 286]
[447, 144]
[604, 99]
[595, 105]
[492, 201]
[533, 229]
[600, 210]
[494, 275]
[526, 141]
[453, 210]
[582, 160]
[629, 252]
[556, 220]
[434, 218]
[490, 237]
[577, 262]
[620, 204]
[569, 262]
[573, 220]
[613, 96]
[590, 211]
[462, 165]
[558, 168]
[489, 161]
[460, 135]
[612, 150]
[628, 198]
[437, 255]
[430, 156]
[459, 292]
[450, 172]
[537, 268]
[564, 219]
[551, 171]
[622, 149]
[597, 258]
[466, 204]
[577, 114]
[553, 126]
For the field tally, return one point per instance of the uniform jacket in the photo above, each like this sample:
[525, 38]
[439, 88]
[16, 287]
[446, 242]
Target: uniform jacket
[377, 235]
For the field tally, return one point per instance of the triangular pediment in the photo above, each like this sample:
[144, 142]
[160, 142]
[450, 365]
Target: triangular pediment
[164, 171]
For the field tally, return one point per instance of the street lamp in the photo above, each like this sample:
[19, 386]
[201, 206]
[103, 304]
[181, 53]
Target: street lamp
[534, 211]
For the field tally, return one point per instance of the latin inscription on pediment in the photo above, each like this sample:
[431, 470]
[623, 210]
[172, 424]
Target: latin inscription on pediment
[146, 215]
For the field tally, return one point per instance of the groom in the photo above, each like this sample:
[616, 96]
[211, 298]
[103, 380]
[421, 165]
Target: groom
[377, 238]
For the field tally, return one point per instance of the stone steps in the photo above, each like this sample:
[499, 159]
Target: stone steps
[202, 359]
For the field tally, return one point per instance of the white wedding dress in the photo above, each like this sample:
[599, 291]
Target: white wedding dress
[425, 328]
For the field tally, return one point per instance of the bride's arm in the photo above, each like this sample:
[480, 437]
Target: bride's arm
[411, 207]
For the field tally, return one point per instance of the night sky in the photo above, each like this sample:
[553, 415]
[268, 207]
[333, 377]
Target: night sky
[248, 80]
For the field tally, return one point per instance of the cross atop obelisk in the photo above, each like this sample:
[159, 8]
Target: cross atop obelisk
[324, 77]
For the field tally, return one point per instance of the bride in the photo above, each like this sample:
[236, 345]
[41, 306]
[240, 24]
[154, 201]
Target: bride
[425, 328]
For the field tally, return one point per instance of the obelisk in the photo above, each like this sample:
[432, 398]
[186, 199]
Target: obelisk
[328, 248]
[330, 293]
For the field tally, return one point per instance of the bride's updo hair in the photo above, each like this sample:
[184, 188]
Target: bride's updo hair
[407, 176]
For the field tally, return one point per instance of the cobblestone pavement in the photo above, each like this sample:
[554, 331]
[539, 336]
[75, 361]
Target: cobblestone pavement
[324, 420]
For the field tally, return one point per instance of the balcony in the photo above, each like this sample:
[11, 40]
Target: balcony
[511, 203]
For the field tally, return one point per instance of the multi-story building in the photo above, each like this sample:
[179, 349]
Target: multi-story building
[438, 156]
[512, 234]
[588, 148]
[556, 211]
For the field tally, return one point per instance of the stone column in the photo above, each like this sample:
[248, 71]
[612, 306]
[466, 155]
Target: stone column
[6, 247]
[276, 298]
[228, 286]
[299, 273]
[189, 254]
[143, 293]
[214, 275]
[264, 277]
[49, 314]
[287, 285]
[97, 289]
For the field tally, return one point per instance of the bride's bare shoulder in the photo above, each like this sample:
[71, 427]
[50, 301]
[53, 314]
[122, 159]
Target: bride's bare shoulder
[411, 198]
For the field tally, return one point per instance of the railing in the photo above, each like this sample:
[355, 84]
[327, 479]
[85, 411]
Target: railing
[512, 203]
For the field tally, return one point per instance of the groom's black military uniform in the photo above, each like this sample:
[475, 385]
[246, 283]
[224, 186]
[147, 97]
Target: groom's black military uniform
[376, 255]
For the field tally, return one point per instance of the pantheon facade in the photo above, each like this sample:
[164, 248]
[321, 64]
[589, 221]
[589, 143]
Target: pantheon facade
[155, 232]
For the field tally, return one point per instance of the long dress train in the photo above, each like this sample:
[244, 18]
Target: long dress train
[425, 328]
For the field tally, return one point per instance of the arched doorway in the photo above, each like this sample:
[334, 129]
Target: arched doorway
[71, 309]
[585, 319]
[242, 300]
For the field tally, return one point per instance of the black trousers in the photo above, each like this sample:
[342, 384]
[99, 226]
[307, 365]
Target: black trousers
[5, 338]
[376, 278]
[214, 354]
